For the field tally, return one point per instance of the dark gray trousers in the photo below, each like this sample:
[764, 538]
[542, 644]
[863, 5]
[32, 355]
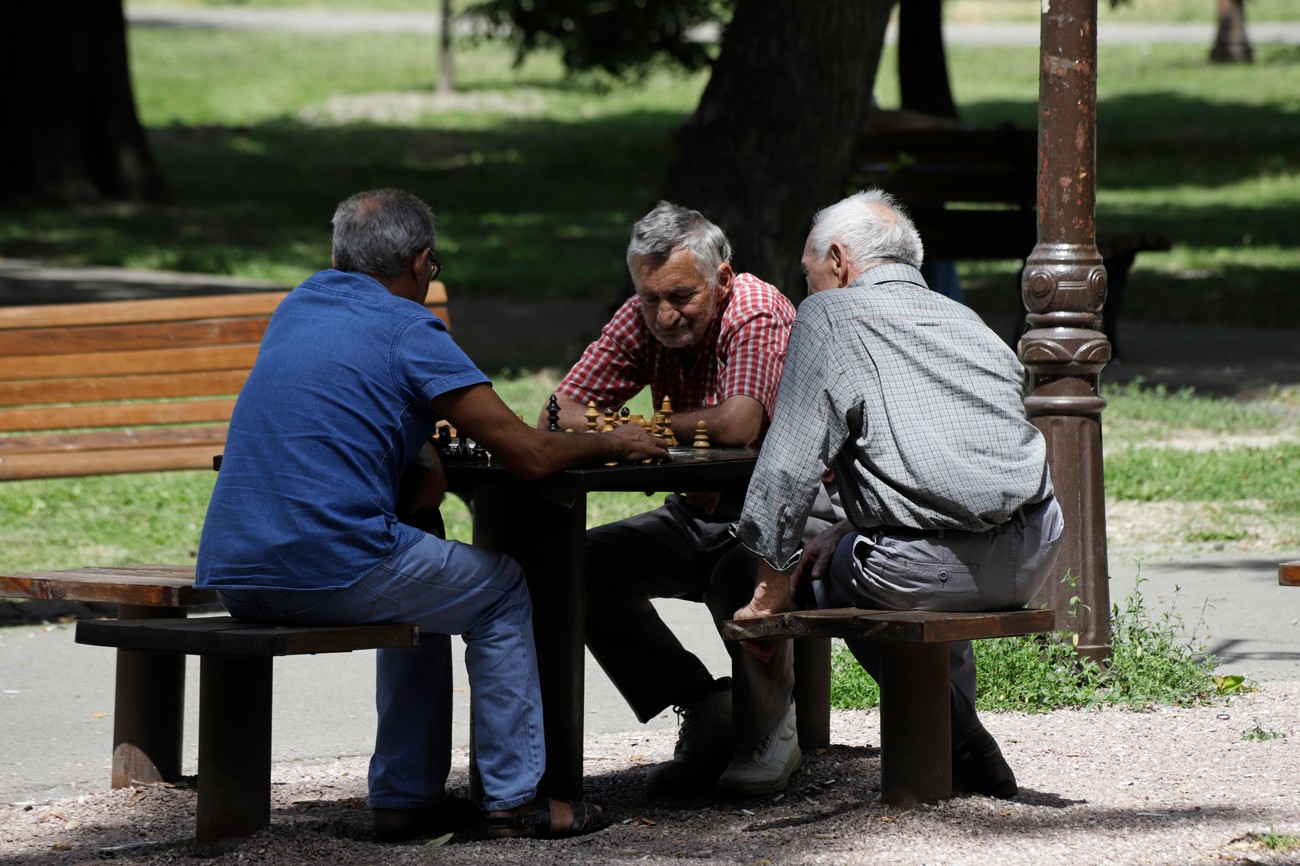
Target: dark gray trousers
[676, 551]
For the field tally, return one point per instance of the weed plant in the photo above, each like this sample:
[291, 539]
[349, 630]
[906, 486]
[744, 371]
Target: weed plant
[1155, 659]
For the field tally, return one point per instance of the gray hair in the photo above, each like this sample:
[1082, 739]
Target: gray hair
[378, 231]
[871, 225]
[671, 227]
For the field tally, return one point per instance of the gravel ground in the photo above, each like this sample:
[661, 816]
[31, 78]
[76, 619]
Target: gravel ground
[1170, 786]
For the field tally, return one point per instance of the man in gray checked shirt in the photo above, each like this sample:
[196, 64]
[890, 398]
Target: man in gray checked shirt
[908, 405]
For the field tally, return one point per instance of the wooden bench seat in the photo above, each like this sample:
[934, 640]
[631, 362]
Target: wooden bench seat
[149, 692]
[915, 695]
[1288, 573]
[973, 193]
[235, 678]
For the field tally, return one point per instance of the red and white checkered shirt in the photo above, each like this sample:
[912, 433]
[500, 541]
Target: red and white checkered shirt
[742, 353]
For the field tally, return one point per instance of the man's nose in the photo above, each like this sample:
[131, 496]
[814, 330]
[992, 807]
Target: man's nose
[668, 314]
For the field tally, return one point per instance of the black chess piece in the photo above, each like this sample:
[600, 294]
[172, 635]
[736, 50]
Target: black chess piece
[553, 414]
[442, 439]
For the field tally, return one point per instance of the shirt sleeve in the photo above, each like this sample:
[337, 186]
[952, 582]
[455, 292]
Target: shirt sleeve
[809, 428]
[612, 370]
[755, 344]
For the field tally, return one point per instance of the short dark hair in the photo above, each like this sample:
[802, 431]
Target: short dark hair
[378, 231]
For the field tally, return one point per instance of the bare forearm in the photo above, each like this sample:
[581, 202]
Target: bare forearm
[734, 423]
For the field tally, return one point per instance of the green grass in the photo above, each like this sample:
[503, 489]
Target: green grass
[536, 176]
[1154, 660]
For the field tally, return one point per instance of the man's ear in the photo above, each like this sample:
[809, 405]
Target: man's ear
[725, 277]
[839, 259]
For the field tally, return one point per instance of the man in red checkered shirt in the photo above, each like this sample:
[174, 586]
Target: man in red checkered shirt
[713, 342]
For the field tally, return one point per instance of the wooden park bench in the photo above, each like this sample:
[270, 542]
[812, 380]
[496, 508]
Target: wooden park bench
[1288, 573]
[915, 692]
[234, 797]
[973, 193]
[133, 386]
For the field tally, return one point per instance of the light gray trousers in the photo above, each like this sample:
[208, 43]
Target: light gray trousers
[1001, 569]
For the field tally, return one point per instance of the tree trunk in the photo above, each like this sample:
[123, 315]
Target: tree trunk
[922, 61]
[771, 139]
[1230, 42]
[73, 134]
[446, 73]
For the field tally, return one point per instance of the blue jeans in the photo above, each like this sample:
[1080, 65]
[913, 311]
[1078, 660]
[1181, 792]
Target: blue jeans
[444, 587]
[1001, 569]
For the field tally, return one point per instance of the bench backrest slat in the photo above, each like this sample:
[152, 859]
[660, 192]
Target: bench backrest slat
[15, 467]
[110, 415]
[35, 392]
[233, 357]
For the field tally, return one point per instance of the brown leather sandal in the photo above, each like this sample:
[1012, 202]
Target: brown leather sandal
[587, 818]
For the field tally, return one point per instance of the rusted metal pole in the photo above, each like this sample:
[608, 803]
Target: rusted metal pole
[1064, 289]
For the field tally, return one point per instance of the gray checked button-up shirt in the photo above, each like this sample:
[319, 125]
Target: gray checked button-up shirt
[913, 405]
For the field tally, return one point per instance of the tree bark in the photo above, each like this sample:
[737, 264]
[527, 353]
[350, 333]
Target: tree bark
[73, 134]
[922, 61]
[1230, 42]
[770, 142]
[446, 72]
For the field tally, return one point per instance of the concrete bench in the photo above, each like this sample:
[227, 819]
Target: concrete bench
[235, 674]
[915, 696]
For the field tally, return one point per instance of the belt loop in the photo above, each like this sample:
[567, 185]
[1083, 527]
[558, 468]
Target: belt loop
[942, 532]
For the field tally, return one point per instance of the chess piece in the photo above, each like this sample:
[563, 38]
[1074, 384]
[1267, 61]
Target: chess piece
[442, 439]
[624, 415]
[592, 417]
[611, 419]
[553, 414]
[701, 435]
[666, 412]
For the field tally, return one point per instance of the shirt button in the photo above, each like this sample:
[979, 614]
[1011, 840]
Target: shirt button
[943, 575]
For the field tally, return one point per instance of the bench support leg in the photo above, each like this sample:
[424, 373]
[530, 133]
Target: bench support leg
[148, 709]
[812, 692]
[915, 723]
[234, 750]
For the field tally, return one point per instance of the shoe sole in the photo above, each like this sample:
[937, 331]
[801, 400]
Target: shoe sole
[734, 790]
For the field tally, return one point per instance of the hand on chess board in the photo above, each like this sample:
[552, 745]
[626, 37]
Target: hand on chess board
[638, 443]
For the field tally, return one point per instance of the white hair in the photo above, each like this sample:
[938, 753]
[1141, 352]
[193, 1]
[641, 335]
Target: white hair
[871, 225]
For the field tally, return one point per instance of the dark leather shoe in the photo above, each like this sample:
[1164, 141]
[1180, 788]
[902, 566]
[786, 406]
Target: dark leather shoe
[450, 815]
[979, 768]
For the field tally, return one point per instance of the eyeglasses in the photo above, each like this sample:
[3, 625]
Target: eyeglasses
[437, 266]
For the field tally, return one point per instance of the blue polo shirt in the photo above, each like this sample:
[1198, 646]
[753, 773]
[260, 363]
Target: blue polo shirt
[337, 404]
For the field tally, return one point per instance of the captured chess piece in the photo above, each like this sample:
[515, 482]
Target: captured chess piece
[701, 435]
[553, 414]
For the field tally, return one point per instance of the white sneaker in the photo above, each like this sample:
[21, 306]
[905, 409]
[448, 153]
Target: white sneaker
[764, 767]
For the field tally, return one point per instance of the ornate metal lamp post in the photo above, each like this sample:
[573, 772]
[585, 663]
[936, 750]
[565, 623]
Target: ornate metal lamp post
[1064, 288]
